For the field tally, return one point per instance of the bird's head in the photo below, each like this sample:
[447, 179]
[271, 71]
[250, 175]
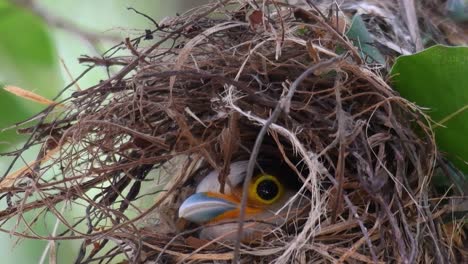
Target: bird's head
[268, 192]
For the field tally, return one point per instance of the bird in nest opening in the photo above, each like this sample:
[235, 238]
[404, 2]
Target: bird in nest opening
[267, 208]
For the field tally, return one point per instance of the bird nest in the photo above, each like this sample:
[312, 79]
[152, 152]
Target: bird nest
[222, 83]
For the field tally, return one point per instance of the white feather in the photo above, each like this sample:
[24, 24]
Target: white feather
[236, 176]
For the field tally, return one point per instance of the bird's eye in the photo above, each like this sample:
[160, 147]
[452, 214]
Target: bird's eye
[265, 189]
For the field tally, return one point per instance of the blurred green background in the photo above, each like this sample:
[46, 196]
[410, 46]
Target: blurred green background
[40, 42]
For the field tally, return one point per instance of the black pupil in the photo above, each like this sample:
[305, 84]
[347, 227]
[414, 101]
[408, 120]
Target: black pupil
[267, 190]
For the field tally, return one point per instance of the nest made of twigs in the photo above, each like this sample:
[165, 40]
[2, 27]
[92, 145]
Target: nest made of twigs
[127, 150]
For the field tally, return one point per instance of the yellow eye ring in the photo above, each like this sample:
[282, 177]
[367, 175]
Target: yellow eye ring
[265, 189]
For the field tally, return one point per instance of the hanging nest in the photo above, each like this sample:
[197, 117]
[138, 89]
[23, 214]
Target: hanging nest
[125, 153]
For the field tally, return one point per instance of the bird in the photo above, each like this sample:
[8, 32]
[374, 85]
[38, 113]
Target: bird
[269, 191]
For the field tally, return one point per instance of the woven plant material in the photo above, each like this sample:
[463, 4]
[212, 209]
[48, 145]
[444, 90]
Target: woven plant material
[126, 152]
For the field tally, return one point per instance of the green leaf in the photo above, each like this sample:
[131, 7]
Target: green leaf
[28, 60]
[437, 78]
[362, 39]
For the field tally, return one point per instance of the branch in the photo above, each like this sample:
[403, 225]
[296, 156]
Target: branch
[61, 23]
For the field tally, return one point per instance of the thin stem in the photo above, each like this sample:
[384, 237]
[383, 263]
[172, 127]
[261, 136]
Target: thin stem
[283, 105]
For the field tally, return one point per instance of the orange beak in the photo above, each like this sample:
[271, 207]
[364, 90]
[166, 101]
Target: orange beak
[213, 207]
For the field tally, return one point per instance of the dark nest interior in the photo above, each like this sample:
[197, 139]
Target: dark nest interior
[227, 82]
